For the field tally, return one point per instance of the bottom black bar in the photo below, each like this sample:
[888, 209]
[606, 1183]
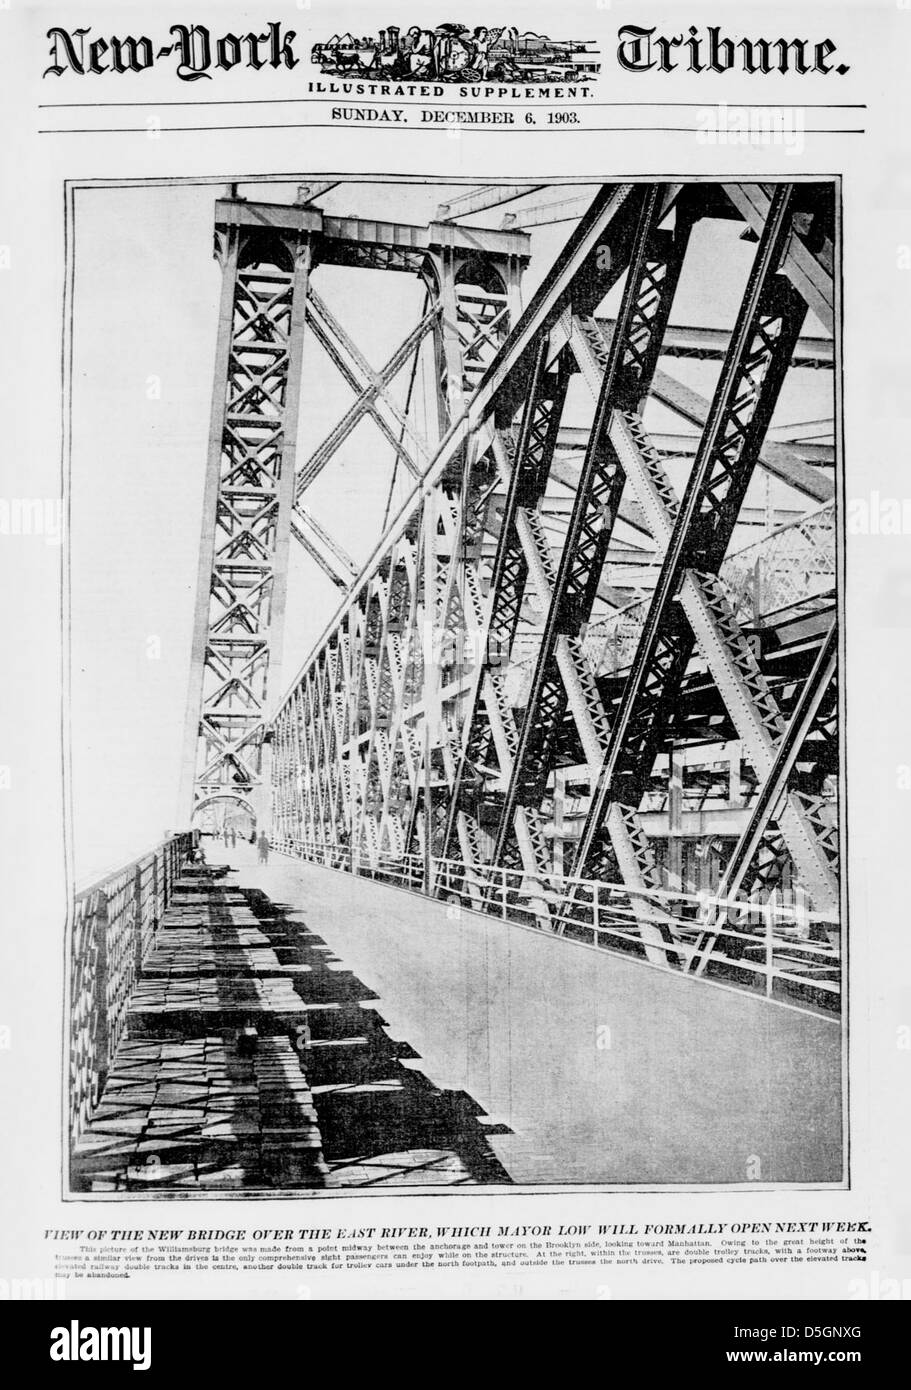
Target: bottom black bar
[268, 1338]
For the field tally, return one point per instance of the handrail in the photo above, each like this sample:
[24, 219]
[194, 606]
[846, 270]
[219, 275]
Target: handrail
[113, 925]
[767, 945]
[91, 883]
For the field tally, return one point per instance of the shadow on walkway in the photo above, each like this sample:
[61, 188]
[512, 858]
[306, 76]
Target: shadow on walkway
[253, 1059]
[382, 1121]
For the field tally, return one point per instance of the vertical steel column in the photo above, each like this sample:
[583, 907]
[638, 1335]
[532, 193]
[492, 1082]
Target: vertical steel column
[226, 242]
[249, 495]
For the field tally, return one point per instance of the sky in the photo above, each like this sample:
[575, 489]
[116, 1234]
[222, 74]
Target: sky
[146, 293]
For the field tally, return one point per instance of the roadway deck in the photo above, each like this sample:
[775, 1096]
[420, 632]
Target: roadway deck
[403, 1041]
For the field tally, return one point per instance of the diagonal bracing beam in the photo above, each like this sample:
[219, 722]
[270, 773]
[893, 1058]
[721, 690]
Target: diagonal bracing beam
[320, 546]
[780, 460]
[810, 271]
[698, 531]
[491, 729]
[372, 390]
[651, 282]
[773, 794]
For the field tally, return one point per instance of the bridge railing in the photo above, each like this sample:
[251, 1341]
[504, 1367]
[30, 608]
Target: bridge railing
[774, 946]
[113, 925]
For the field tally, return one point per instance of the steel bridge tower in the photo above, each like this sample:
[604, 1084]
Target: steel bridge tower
[253, 507]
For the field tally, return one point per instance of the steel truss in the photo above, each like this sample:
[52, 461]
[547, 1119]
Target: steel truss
[458, 689]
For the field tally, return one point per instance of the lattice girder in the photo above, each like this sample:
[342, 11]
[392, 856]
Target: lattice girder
[483, 569]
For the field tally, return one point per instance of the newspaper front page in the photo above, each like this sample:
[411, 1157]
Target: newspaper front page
[455, 530]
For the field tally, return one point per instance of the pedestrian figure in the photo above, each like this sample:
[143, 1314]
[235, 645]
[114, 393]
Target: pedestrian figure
[232, 835]
[263, 844]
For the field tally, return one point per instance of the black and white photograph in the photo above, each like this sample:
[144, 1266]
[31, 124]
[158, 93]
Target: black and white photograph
[454, 579]
[454, 777]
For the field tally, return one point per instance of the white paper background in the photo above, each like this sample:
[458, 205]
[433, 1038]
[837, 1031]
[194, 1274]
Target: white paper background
[876, 170]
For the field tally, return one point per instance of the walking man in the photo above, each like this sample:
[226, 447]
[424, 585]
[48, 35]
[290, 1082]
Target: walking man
[263, 846]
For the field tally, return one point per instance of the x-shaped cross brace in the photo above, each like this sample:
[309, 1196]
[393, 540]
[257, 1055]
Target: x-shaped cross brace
[373, 394]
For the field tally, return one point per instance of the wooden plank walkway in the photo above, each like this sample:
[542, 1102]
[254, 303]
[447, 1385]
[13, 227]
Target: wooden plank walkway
[253, 1059]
